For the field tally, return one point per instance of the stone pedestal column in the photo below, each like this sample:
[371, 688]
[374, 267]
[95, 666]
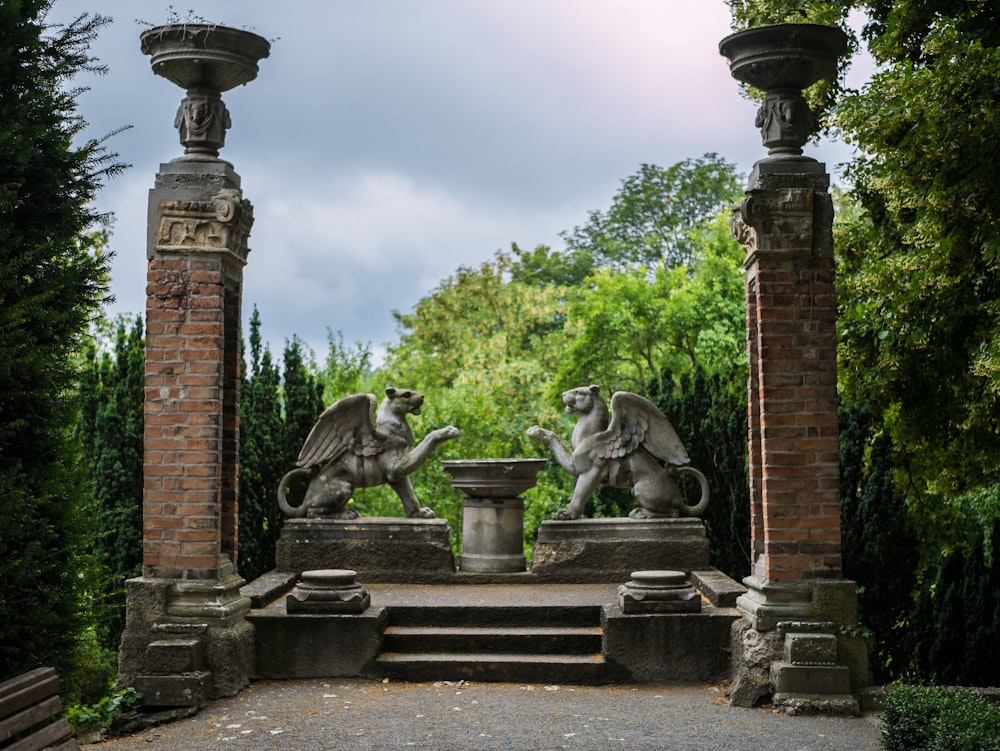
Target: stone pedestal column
[792, 641]
[186, 639]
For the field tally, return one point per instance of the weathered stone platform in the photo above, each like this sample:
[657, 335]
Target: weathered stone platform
[561, 621]
[609, 550]
[565, 633]
[379, 549]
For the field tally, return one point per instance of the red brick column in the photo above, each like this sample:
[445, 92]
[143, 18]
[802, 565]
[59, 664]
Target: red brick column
[792, 349]
[194, 289]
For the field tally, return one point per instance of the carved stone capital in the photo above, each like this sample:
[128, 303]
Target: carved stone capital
[780, 222]
[220, 225]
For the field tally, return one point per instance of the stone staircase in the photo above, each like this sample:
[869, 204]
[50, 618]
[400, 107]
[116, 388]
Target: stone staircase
[502, 642]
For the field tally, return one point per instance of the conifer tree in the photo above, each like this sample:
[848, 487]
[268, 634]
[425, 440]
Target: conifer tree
[303, 399]
[111, 434]
[51, 281]
[261, 458]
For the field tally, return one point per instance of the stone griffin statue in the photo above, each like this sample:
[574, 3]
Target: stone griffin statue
[351, 446]
[635, 447]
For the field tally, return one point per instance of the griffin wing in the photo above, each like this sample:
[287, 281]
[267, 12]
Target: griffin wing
[636, 422]
[348, 424]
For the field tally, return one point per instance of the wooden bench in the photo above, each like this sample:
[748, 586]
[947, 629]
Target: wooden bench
[31, 714]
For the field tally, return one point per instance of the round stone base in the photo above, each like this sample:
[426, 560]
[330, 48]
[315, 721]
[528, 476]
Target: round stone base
[658, 592]
[328, 591]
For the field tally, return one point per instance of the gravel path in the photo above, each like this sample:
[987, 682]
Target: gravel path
[321, 715]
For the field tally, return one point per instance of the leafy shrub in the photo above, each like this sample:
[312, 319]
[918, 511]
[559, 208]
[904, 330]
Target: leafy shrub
[99, 717]
[920, 718]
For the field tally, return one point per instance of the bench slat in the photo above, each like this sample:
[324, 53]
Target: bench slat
[12, 685]
[16, 724]
[58, 731]
[25, 690]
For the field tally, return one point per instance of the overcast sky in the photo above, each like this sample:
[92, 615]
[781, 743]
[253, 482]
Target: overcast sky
[385, 143]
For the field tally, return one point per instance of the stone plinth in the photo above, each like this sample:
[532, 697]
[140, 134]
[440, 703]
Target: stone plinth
[667, 647]
[379, 549]
[316, 645]
[186, 641]
[492, 535]
[609, 550]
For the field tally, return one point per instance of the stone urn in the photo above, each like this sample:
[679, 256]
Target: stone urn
[205, 60]
[493, 512]
[781, 61]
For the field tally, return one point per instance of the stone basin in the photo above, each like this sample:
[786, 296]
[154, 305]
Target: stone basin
[784, 55]
[196, 56]
[493, 478]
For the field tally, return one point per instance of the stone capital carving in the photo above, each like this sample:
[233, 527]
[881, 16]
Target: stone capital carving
[220, 225]
[777, 222]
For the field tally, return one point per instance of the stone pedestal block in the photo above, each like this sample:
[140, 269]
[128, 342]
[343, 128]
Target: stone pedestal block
[186, 642]
[379, 549]
[315, 645]
[492, 535]
[667, 646]
[810, 679]
[598, 550]
[186, 690]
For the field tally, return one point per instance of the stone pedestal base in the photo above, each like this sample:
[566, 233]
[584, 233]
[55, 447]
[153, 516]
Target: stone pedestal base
[658, 592]
[794, 643]
[609, 550]
[492, 535]
[185, 641]
[328, 591]
[379, 549]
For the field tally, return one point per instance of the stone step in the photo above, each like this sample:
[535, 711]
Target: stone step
[492, 615]
[496, 668]
[494, 639]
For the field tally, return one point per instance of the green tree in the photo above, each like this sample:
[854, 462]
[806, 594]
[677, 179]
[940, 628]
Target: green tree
[653, 215]
[111, 433]
[709, 415]
[348, 369]
[881, 550]
[262, 458]
[630, 328]
[52, 278]
[482, 347]
[302, 395]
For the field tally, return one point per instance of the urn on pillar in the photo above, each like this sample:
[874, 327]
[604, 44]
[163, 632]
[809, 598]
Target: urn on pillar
[493, 511]
[782, 61]
[205, 60]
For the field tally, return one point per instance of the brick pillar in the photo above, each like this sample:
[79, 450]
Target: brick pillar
[792, 349]
[186, 638]
[795, 594]
[194, 286]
